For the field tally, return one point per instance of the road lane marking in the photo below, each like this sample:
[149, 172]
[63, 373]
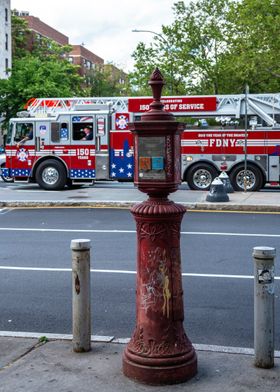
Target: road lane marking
[230, 234]
[4, 210]
[65, 230]
[134, 231]
[126, 272]
[236, 211]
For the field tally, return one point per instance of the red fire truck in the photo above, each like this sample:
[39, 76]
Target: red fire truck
[57, 150]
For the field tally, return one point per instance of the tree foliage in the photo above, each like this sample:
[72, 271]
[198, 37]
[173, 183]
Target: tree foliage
[103, 81]
[253, 55]
[40, 68]
[215, 47]
[43, 71]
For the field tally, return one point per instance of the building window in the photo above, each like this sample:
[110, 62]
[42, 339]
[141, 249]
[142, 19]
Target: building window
[6, 42]
[7, 65]
[6, 14]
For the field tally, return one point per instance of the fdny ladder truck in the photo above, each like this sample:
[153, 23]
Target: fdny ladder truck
[58, 150]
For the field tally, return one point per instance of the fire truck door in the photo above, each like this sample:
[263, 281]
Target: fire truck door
[24, 142]
[41, 136]
[101, 147]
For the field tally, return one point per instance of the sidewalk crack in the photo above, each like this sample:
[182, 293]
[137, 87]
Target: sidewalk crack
[36, 345]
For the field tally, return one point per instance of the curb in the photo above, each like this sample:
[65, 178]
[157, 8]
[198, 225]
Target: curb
[112, 339]
[128, 204]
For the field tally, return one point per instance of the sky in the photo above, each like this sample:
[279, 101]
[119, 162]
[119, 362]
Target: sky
[103, 26]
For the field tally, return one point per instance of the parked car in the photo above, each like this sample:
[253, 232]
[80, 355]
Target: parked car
[2, 164]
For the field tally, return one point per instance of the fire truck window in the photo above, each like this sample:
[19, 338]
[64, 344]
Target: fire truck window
[23, 130]
[64, 134]
[55, 132]
[82, 131]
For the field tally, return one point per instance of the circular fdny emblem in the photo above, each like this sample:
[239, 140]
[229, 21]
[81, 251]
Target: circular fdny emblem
[122, 121]
[22, 155]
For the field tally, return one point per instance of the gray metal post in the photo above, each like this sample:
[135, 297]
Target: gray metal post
[81, 295]
[264, 306]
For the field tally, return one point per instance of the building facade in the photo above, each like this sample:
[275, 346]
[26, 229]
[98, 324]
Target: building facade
[80, 56]
[5, 39]
[85, 59]
[41, 29]
[116, 74]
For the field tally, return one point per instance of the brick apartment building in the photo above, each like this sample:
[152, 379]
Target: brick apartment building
[41, 29]
[116, 73]
[79, 55]
[85, 59]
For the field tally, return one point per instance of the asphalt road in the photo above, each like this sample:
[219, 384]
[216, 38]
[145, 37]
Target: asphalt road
[216, 253]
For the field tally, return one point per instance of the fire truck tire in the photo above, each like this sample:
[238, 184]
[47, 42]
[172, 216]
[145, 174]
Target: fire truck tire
[6, 178]
[254, 178]
[51, 175]
[200, 176]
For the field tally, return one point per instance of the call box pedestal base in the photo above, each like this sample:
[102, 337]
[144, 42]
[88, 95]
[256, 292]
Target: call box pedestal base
[159, 351]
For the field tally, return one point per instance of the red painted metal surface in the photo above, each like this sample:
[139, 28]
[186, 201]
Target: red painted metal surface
[175, 104]
[159, 351]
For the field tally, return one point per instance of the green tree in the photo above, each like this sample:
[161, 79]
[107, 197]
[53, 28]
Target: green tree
[216, 46]
[104, 81]
[143, 67]
[201, 33]
[20, 36]
[253, 55]
[188, 55]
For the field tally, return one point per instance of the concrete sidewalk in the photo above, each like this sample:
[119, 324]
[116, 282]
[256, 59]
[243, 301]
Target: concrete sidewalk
[126, 195]
[30, 366]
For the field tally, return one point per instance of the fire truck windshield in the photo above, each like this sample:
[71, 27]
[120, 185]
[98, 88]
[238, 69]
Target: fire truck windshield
[23, 130]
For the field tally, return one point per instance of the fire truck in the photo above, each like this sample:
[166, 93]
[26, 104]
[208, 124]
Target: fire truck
[48, 143]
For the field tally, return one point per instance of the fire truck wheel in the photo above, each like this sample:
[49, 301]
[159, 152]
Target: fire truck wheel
[254, 178]
[6, 178]
[200, 176]
[51, 175]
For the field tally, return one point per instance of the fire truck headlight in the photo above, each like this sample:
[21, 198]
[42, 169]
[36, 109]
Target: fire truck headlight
[189, 158]
[257, 158]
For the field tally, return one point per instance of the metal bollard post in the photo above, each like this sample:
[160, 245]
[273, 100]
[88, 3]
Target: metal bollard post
[81, 295]
[264, 306]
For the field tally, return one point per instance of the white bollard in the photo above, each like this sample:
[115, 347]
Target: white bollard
[81, 295]
[264, 306]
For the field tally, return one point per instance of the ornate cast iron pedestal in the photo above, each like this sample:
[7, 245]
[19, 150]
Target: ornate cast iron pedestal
[159, 351]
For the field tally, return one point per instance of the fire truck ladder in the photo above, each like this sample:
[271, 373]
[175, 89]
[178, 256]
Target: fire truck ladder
[266, 106]
[51, 106]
